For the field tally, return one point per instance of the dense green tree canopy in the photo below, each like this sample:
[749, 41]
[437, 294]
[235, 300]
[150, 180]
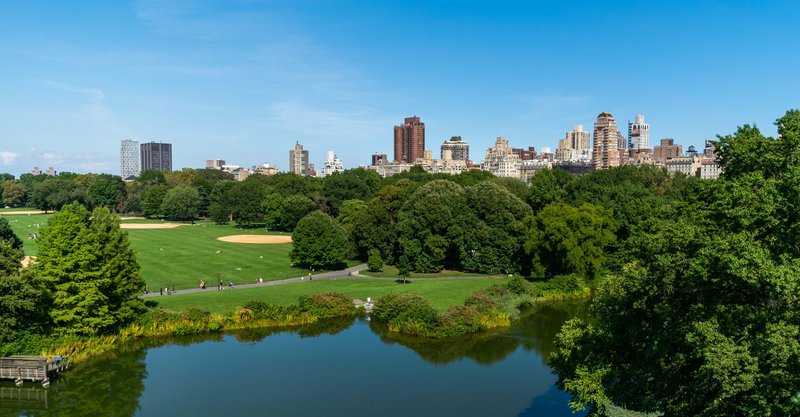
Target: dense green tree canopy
[181, 203]
[429, 228]
[7, 235]
[701, 317]
[88, 266]
[319, 241]
[493, 229]
[564, 239]
[153, 200]
[14, 193]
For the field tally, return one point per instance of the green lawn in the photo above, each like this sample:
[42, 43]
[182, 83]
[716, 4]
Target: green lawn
[11, 210]
[442, 294]
[183, 256]
[24, 225]
[392, 272]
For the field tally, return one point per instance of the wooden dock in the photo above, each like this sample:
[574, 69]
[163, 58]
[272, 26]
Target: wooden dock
[32, 368]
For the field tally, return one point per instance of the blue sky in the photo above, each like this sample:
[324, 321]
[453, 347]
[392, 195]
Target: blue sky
[243, 80]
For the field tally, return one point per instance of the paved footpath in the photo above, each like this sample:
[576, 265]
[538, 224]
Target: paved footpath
[349, 273]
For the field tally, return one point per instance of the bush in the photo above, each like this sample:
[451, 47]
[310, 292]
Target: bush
[327, 305]
[375, 262]
[566, 284]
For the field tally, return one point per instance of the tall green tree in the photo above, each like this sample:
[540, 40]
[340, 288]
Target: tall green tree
[14, 193]
[359, 183]
[7, 235]
[243, 200]
[107, 191]
[563, 239]
[319, 241]
[493, 229]
[429, 228]
[153, 199]
[182, 202]
[88, 265]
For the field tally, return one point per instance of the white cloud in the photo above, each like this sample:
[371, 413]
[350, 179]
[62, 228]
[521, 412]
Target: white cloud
[52, 158]
[95, 96]
[8, 158]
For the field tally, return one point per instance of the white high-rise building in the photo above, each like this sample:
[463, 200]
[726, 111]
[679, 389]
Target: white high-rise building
[129, 159]
[638, 133]
[332, 164]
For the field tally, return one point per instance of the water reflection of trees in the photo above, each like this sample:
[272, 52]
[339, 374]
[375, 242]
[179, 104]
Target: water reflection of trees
[535, 331]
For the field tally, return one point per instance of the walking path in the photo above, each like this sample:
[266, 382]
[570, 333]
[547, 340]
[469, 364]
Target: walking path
[349, 273]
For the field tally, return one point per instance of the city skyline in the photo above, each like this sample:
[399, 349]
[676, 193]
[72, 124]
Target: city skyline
[323, 75]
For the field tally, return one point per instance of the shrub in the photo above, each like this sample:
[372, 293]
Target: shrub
[566, 284]
[375, 262]
[327, 305]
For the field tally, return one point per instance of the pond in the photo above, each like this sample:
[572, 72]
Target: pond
[337, 368]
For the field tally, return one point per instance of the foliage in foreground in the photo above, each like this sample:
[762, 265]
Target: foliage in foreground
[702, 317]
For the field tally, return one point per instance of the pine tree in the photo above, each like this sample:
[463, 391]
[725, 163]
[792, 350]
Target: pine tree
[87, 262]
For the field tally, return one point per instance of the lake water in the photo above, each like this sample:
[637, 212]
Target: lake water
[339, 368]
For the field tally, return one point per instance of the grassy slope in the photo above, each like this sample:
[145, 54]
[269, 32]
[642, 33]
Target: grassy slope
[441, 293]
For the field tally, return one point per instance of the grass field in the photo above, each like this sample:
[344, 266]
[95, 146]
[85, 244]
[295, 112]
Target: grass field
[392, 272]
[24, 225]
[185, 255]
[442, 294]
[11, 210]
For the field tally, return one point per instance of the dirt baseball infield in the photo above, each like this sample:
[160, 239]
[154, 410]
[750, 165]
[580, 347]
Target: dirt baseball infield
[150, 225]
[258, 239]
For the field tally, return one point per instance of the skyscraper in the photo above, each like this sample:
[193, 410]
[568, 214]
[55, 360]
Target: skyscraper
[129, 159]
[576, 145]
[156, 156]
[298, 160]
[638, 133]
[409, 140]
[606, 147]
[457, 149]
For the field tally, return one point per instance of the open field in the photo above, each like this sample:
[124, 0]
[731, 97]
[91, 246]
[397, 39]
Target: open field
[392, 272]
[442, 294]
[125, 225]
[26, 225]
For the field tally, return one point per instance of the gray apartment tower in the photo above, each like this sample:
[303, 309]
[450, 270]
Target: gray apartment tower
[298, 160]
[129, 159]
[156, 156]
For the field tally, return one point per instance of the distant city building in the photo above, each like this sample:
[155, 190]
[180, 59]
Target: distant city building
[392, 168]
[215, 163]
[709, 169]
[525, 154]
[501, 160]
[667, 150]
[265, 169]
[332, 164]
[130, 165]
[455, 149]
[298, 160]
[409, 140]
[311, 171]
[379, 159]
[687, 165]
[576, 146]
[606, 152]
[36, 171]
[156, 156]
[529, 168]
[638, 133]
[51, 172]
